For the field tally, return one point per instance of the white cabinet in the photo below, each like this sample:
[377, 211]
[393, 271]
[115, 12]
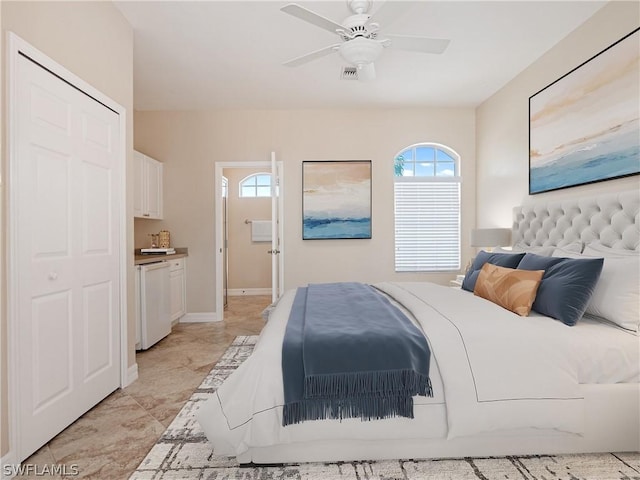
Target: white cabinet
[147, 201]
[157, 301]
[178, 288]
[138, 307]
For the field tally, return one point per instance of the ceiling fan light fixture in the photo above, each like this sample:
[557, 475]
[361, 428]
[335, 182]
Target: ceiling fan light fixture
[360, 51]
[359, 6]
[361, 44]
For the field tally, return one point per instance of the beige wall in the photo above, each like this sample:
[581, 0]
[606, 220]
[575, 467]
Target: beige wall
[189, 144]
[95, 42]
[503, 120]
[249, 263]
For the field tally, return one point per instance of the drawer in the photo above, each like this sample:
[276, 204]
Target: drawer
[177, 264]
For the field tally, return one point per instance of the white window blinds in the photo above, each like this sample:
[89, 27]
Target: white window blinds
[427, 224]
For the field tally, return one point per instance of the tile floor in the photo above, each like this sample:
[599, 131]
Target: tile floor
[110, 440]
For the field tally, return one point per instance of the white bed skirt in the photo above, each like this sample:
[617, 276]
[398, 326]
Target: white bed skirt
[612, 424]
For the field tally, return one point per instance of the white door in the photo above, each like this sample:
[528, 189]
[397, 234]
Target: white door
[67, 254]
[277, 279]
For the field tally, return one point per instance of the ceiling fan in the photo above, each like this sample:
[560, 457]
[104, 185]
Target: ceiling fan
[361, 39]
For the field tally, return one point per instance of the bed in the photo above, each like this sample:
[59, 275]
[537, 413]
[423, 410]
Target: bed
[503, 384]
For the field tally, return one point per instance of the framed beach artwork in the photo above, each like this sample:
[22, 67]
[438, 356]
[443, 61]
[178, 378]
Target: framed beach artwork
[336, 199]
[585, 126]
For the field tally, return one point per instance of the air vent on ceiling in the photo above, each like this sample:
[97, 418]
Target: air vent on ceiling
[349, 73]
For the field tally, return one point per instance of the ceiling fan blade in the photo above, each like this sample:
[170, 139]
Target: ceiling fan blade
[312, 17]
[388, 12]
[294, 62]
[418, 44]
[367, 73]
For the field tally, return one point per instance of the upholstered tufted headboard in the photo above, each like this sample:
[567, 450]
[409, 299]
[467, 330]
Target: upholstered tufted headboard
[611, 219]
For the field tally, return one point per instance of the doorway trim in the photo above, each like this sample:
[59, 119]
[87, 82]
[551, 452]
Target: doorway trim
[16, 46]
[219, 168]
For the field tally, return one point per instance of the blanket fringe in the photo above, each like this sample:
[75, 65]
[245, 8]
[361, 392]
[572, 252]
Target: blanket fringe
[365, 408]
[373, 383]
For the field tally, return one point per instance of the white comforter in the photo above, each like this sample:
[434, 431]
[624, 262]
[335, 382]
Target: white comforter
[496, 370]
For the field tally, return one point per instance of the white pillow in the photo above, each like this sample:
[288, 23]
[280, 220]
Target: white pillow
[539, 250]
[616, 297]
[575, 247]
[548, 251]
[599, 250]
[562, 252]
[617, 294]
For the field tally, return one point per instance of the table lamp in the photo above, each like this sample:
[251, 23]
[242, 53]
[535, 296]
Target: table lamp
[488, 238]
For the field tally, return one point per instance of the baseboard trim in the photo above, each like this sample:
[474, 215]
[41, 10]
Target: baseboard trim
[239, 292]
[200, 317]
[132, 375]
[8, 466]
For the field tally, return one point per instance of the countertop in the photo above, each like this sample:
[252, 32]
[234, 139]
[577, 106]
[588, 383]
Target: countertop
[143, 259]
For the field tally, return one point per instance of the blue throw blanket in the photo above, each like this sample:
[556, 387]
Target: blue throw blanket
[349, 353]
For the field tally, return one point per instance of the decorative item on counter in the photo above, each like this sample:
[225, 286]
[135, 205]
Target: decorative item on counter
[164, 239]
[154, 239]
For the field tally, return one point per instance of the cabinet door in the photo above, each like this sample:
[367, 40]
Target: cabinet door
[154, 188]
[177, 294]
[139, 185]
[138, 307]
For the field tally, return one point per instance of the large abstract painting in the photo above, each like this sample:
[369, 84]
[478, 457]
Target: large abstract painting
[585, 126]
[336, 199]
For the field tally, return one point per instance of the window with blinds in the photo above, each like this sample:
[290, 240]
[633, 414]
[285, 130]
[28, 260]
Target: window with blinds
[427, 209]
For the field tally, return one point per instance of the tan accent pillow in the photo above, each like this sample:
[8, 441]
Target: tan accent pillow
[512, 289]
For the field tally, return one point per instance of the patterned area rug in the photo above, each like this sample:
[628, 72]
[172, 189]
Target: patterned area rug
[183, 453]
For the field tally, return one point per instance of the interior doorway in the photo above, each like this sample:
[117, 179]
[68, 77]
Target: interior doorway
[249, 256]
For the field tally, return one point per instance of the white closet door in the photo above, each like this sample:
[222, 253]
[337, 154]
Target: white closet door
[68, 179]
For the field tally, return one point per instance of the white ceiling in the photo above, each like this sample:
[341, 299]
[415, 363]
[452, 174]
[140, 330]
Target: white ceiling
[228, 54]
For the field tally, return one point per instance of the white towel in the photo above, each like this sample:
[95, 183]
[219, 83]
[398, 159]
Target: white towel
[261, 231]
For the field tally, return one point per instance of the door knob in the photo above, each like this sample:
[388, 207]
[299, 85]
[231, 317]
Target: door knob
[53, 276]
[273, 252]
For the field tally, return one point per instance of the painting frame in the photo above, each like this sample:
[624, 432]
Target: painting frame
[336, 199]
[583, 126]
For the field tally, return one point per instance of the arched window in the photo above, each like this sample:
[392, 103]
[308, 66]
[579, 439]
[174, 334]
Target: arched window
[256, 185]
[427, 209]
